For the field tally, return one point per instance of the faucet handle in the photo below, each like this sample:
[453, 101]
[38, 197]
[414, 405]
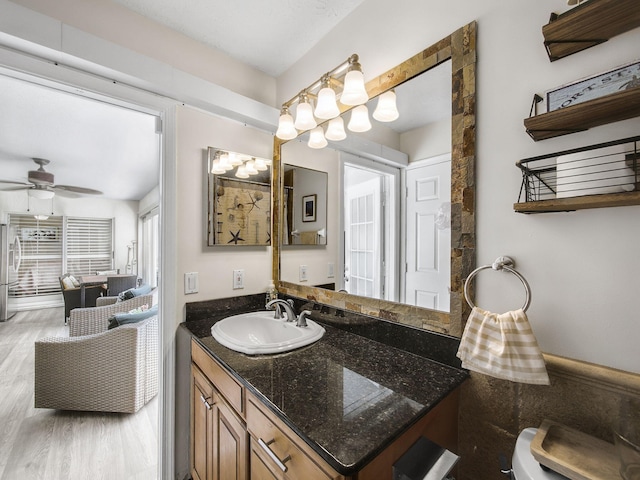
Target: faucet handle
[302, 318]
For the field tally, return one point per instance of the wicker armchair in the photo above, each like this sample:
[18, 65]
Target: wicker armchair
[99, 370]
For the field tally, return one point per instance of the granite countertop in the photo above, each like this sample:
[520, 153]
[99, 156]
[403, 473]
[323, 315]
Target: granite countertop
[347, 396]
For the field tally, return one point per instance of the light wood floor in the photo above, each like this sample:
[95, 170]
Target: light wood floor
[57, 445]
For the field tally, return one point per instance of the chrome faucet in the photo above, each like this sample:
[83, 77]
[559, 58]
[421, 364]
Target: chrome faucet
[301, 320]
[288, 307]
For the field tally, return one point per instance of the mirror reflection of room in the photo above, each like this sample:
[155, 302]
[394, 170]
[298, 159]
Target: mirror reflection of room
[393, 212]
[305, 206]
[239, 198]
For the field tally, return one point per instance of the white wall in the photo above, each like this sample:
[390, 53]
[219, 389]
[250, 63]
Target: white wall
[582, 266]
[198, 130]
[426, 142]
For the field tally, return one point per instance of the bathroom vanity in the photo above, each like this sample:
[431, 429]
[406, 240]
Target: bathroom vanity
[346, 407]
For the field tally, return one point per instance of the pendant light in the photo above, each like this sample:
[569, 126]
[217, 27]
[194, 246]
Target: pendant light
[359, 121]
[335, 130]
[386, 110]
[304, 114]
[286, 129]
[316, 138]
[354, 92]
[327, 106]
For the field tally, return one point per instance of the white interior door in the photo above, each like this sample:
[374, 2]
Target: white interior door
[363, 238]
[428, 234]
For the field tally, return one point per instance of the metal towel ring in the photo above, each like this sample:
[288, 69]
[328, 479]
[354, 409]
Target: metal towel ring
[501, 263]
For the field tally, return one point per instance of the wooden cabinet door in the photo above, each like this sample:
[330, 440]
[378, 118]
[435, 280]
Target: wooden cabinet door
[201, 426]
[230, 443]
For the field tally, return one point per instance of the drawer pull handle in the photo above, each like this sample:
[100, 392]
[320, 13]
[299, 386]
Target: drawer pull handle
[206, 403]
[274, 457]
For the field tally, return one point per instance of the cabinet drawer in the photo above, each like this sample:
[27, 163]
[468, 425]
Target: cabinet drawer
[223, 381]
[268, 436]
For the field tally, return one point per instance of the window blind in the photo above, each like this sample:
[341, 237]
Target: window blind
[41, 264]
[89, 245]
[79, 246]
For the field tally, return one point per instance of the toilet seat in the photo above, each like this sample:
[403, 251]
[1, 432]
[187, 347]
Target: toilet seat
[524, 465]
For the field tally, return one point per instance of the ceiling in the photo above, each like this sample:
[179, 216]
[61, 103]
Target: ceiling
[97, 145]
[270, 35]
[90, 143]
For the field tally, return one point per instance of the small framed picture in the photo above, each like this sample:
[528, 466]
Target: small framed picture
[309, 208]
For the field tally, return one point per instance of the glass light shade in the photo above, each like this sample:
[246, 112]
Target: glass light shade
[286, 129]
[316, 138]
[41, 194]
[41, 217]
[224, 162]
[216, 169]
[386, 110]
[335, 130]
[326, 107]
[260, 164]
[354, 92]
[234, 159]
[241, 172]
[304, 116]
[359, 121]
[250, 168]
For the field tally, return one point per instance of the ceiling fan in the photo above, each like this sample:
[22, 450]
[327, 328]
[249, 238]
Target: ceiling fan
[40, 184]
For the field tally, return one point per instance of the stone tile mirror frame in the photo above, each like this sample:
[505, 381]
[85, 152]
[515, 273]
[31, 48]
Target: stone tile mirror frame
[460, 48]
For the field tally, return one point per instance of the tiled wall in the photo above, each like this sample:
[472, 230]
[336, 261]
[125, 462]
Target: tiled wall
[492, 413]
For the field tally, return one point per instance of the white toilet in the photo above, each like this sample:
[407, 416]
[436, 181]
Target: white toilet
[524, 465]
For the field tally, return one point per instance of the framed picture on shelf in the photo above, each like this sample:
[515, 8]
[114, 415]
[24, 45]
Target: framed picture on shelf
[625, 77]
[309, 208]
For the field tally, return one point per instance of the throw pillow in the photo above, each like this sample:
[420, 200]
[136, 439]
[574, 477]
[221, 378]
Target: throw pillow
[67, 283]
[133, 292]
[128, 317]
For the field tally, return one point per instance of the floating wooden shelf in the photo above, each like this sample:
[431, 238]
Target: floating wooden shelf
[610, 108]
[589, 24]
[579, 203]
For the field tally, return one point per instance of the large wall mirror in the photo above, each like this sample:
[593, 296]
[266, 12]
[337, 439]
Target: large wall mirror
[387, 255]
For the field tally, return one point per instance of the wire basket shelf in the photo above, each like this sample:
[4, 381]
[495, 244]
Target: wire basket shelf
[605, 168]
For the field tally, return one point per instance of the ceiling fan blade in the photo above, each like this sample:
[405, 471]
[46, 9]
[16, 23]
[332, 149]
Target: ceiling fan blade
[13, 182]
[10, 188]
[81, 190]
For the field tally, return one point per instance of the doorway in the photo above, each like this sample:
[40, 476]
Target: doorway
[146, 224]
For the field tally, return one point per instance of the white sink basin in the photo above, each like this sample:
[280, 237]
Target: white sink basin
[258, 333]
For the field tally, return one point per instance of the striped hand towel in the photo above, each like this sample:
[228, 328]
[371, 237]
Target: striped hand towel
[503, 346]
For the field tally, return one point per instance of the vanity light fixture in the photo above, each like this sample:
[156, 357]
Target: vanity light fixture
[354, 92]
[327, 106]
[260, 164]
[386, 110]
[304, 114]
[316, 138]
[286, 129]
[242, 172]
[359, 119]
[326, 93]
[335, 130]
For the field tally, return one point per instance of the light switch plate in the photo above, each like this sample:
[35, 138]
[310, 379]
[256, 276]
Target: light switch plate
[303, 273]
[238, 279]
[331, 270]
[190, 283]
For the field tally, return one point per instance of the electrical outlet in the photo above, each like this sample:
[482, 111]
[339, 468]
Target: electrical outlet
[303, 273]
[190, 283]
[331, 270]
[238, 279]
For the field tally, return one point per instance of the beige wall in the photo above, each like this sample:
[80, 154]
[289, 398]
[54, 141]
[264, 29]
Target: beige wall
[196, 131]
